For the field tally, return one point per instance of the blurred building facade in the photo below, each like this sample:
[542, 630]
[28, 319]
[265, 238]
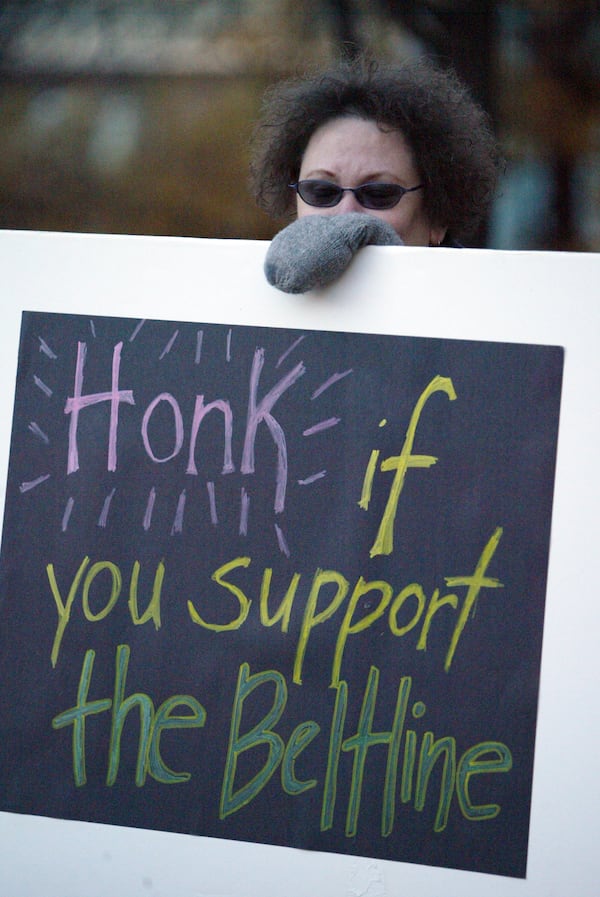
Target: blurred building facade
[136, 117]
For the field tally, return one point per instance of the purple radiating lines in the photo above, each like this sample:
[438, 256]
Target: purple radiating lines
[311, 479]
[149, 509]
[169, 346]
[199, 338]
[45, 348]
[329, 382]
[37, 431]
[41, 385]
[106, 508]
[210, 488]
[322, 425]
[244, 510]
[289, 350]
[31, 484]
[178, 521]
[67, 514]
[137, 330]
[283, 546]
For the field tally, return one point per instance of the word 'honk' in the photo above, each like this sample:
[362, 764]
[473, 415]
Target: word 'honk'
[259, 411]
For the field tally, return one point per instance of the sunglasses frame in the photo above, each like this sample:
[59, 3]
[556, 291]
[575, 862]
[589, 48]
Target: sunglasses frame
[357, 191]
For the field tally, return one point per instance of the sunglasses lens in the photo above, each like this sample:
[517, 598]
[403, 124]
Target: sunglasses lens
[320, 193]
[379, 196]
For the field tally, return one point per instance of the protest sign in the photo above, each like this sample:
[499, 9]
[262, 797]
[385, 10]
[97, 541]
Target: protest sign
[278, 584]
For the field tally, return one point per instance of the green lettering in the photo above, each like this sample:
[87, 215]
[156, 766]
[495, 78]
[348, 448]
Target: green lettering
[300, 738]
[260, 734]
[76, 716]
[166, 718]
[472, 764]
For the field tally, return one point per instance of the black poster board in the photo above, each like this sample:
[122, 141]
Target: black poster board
[278, 586]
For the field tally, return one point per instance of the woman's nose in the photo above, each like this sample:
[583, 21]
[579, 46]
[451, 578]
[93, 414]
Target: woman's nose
[348, 203]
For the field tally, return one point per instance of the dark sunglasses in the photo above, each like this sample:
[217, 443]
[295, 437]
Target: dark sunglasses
[325, 194]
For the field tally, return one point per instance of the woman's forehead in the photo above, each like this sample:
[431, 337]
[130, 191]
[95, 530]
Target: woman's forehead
[350, 141]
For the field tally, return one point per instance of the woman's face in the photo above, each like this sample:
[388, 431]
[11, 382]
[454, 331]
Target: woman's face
[352, 151]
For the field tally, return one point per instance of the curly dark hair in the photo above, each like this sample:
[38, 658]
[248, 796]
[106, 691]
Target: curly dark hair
[450, 136]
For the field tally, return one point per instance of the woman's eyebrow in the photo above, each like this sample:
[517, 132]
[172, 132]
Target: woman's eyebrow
[386, 176]
[321, 173]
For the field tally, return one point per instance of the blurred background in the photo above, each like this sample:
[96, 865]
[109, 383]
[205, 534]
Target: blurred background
[135, 117]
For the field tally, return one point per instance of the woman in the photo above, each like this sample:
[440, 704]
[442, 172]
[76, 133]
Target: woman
[404, 144]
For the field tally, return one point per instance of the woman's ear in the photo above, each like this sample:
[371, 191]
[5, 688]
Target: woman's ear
[436, 235]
